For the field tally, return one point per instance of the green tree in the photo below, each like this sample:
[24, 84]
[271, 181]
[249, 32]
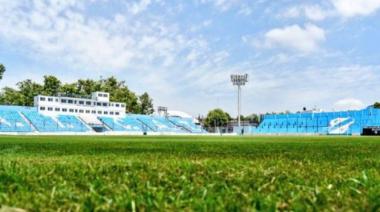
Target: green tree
[11, 96]
[2, 70]
[28, 90]
[253, 118]
[216, 117]
[69, 89]
[376, 105]
[51, 85]
[146, 104]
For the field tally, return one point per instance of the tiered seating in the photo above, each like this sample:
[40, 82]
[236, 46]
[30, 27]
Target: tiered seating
[72, 123]
[130, 123]
[11, 121]
[112, 124]
[187, 123]
[348, 122]
[164, 125]
[43, 123]
[147, 122]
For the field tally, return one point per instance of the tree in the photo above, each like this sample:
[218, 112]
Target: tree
[146, 104]
[253, 118]
[28, 90]
[11, 96]
[2, 70]
[119, 92]
[216, 117]
[68, 89]
[51, 86]
[376, 105]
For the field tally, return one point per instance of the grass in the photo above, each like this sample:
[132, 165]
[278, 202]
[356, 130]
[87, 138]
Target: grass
[190, 173]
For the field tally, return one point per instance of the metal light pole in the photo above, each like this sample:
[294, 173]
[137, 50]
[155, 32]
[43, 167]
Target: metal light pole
[239, 80]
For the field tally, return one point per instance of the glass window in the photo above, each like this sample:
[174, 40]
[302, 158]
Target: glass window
[42, 108]
[70, 101]
[87, 111]
[42, 98]
[50, 99]
[63, 100]
[105, 95]
[117, 105]
[71, 110]
[88, 103]
[111, 113]
[81, 102]
[64, 109]
[105, 112]
[57, 109]
[50, 109]
[99, 112]
[76, 110]
[56, 100]
[93, 112]
[100, 95]
[105, 104]
[81, 111]
[117, 113]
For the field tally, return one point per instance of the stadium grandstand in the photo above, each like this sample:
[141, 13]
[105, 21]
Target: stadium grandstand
[356, 122]
[95, 115]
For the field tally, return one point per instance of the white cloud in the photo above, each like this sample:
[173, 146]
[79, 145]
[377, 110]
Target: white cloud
[351, 8]
[294, 37]
[349, 104]
[138, 7]
[311, 12]
[51, 30]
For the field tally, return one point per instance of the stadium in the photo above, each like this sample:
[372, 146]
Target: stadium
[69, 115]
[97, 115]
[196, 105]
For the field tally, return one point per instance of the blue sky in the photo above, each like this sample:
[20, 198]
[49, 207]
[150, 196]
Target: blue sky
[323, 54]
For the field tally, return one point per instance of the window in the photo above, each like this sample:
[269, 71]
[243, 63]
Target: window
[99, 104]
[56, 100]
[75, 101]
[87, 111]
[81, 111]
[100, 95]
[71, 110]
[64, 109]
[50, 109]
[63, 100]
[57, 109]
[42, 108]
[50, 99]
[117, 113]
[111, 113]
[70, 101]
[99, 112]
[93, 112]
[88, 103]
[42, 99]
[105, 95]
[81, 102]
[105, 104]
[76, 110]
[105, 112]
[117, 105]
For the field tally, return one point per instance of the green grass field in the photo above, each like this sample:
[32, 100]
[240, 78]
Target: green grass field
[190, 173]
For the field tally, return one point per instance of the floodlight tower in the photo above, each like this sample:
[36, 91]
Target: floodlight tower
[239, 80]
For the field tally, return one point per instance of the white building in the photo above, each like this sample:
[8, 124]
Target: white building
[97, 105]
